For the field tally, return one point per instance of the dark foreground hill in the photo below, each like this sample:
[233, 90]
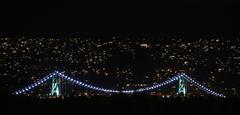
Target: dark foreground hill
[121, 105]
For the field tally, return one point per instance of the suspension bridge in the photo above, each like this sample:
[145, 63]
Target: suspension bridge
[56, 76]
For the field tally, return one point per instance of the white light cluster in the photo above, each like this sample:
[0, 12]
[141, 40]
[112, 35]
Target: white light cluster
[87, 85]
[35, 84]
[207, 90]
[128, 91]
[152, 87]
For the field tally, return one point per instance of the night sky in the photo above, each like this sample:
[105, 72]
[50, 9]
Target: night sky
[185, 18]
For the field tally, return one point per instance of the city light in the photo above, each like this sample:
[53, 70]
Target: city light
[132, 65]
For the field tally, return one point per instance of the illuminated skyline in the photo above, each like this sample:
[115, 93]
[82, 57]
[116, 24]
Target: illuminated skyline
[122, 63]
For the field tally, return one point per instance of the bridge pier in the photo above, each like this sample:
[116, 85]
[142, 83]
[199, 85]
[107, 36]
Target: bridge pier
[56, 86]
[182, 86]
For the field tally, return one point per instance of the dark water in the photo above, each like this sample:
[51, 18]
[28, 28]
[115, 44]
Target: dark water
[121, 105]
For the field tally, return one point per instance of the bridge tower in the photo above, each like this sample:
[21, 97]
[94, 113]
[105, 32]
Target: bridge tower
[56, 86]
[182, 86]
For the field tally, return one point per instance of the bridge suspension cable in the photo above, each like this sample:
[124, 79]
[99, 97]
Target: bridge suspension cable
[81, 84]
